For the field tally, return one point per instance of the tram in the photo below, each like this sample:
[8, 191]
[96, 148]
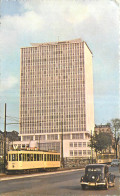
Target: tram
[19, 161]
[105, 158]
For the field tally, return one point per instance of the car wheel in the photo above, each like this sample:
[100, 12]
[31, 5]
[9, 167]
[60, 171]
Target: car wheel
[83, 186]
[106, 186]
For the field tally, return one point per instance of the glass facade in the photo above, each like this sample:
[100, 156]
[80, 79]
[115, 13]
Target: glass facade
[52, 91]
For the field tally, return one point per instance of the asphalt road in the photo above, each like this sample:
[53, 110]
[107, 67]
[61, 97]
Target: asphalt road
[60, 184]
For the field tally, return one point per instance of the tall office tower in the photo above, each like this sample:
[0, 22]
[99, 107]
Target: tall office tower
[56, 96]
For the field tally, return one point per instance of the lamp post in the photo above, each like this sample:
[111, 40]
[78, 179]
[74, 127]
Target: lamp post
[91, 146]
[62, 159]
[5, 141]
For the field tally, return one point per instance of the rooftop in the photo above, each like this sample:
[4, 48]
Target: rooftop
[59, 42]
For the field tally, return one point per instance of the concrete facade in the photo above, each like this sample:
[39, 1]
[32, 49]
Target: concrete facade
[56, 96]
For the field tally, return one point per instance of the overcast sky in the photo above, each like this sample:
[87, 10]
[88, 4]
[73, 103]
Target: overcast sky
[32, 21]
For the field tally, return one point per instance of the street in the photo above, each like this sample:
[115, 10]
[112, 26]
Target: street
[60, 184]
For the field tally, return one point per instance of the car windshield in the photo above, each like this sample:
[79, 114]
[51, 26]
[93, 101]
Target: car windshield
[94, 169]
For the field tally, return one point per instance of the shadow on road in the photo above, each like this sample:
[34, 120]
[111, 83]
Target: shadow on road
[79, 188]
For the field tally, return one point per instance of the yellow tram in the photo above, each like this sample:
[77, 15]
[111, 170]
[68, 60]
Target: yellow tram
[105, 158]
[32, 160]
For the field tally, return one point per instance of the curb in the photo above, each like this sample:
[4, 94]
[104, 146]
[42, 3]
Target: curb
[40, 174]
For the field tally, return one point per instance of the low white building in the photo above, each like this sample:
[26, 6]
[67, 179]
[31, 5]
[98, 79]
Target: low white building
[17, 145]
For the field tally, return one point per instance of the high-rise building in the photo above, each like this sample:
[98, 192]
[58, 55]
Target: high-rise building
[56, 96]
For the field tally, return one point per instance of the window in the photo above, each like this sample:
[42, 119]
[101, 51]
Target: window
[20, 157]
[84, 144]
[89, 152]
[28, 157]
[80, 152]
[79, 144]
[71, 152]
[94, 169]
[58, 157]
[24, 157]
[41, 157]
[45, 157]
[75, 152]
[84, 152]
[75, 144]
[34, 157]
[52, 157]
[13, 157]
[31, 157]
[71, 144]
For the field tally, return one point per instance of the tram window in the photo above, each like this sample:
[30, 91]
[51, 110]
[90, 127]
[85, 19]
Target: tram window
[34, 157]
[20, 157]
[37, 157]
[58, 157]
[40, 157]
[13, 157]
[9, 157]
[31, 157]
[50, 158]
[28, 157]
[16, 157]
[25, 157]
[55, 157]
[45, 157]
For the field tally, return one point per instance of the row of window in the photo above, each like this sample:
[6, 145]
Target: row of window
[79, 144]
[33, 157]
[58, 58]
[31, 129]
[55, 137]
[80, 152]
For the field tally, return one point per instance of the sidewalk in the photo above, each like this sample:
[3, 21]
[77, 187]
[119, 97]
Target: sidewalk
[117, 174]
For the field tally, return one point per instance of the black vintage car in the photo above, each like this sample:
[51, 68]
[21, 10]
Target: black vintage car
[97, 175]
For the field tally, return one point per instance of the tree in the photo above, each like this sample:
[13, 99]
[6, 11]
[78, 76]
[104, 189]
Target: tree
[115, 127]
[100, 141]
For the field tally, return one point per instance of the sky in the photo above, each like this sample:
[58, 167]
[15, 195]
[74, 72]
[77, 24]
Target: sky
[37, 21]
